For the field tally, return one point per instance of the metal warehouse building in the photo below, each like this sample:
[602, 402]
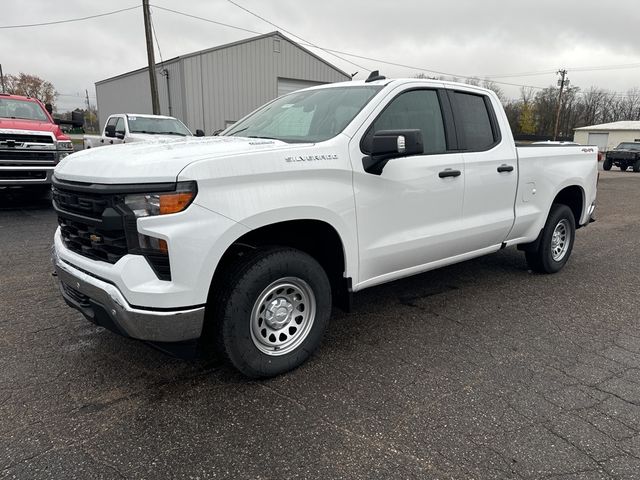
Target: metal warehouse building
[607, 136]
[213, 88]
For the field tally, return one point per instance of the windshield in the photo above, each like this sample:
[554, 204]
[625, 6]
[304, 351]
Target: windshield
[307, 116]
[157, 126]
[23, 109]
[628, 146]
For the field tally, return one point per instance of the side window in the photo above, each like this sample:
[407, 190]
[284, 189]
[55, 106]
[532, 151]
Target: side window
[112, 122]
[120, 126]
[413, 109]
[473, 121]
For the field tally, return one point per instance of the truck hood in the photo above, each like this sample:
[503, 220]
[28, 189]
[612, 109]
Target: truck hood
[32, 125]
[156, 161]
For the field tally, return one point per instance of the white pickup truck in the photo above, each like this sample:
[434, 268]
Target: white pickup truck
[135, 127]
[244, 242]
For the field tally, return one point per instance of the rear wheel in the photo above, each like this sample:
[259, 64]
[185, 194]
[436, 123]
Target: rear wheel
[636, 166]
[271, 310]
[556, 242]
[607, 164]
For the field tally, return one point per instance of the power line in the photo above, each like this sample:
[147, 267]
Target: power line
[57, 22]
[206, 20]
[294, 35]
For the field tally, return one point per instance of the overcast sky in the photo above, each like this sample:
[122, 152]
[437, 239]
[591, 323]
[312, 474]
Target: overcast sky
[462, 37]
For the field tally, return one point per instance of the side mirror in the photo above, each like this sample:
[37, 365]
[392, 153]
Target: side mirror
[388, 144]
[120, 135]
[49, 108]
[77, 119]
[199, 133]
[110, 131]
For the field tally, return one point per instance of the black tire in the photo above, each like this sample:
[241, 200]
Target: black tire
[607, 164]
[636, 166]
[623, 168]
[542, 260]
[244, 284]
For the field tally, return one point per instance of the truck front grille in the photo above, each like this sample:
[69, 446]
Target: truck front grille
[19, 138]
[95, 223]
[85, 204]
[84, 227]
[23, 175]
[26, 157]
[93, 242]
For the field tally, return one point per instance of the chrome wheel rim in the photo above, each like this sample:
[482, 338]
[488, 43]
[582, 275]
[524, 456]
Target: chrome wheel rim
[282, 316]
[560, 240]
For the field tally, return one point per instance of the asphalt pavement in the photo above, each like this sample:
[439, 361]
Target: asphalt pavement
[479, 370]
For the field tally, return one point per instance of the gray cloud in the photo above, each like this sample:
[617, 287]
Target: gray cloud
[465, 37]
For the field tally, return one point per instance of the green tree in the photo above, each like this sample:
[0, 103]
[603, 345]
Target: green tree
[527, 121]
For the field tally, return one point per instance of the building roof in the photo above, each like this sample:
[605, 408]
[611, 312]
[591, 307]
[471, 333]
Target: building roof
[227, 45]
[624, 125]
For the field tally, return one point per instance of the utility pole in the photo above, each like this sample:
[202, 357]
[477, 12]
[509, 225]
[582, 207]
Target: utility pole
[86, 92]
[2, 78]
[561, 83]
[155, 103]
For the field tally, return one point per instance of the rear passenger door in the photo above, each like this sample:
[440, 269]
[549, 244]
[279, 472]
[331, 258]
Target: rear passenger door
[491, 169]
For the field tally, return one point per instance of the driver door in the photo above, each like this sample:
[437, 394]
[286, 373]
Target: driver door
[411, 214]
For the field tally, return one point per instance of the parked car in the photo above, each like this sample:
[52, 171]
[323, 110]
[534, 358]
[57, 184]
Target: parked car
[31, 143]
[243, 242]
[625, 155]
[134, 127]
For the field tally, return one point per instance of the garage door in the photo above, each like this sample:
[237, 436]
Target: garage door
[599, 139]
[288, 85]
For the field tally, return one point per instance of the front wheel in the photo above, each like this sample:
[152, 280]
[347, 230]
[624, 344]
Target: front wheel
[556, 242]
[636, 166]
[272, 311]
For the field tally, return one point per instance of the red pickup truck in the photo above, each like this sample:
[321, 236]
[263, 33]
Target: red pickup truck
[31, 143]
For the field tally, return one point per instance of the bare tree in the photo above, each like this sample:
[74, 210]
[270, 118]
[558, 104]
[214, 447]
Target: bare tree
[31, 86]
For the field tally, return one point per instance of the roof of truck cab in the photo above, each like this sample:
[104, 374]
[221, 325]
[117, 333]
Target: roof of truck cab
[18, 97]
[144, 115]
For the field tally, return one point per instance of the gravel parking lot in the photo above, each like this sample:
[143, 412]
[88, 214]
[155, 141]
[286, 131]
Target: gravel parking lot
[480, 370]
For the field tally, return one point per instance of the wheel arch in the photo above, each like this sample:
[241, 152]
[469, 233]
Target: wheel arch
[573, 196]
[315, 236]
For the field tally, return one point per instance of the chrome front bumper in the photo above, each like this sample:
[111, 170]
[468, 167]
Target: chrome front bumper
[103, 304]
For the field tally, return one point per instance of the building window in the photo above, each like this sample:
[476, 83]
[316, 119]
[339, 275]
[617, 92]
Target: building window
[276, 45]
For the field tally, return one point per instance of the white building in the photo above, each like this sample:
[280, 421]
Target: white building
[607, 136]
[214, 88]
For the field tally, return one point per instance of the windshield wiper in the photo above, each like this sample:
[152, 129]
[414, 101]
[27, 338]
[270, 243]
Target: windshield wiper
[238, 131]
[172, 133]
[266, 138]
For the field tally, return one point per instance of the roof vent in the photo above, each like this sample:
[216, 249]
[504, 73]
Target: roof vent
[373, 76]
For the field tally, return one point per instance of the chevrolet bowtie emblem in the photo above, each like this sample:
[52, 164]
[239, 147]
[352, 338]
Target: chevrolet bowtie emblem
[95, 238]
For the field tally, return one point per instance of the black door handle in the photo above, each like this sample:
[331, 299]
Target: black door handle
[449, 173]
[505, 168]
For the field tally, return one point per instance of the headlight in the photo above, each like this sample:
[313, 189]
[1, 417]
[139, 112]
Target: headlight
[150, 204]
[65, 145]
